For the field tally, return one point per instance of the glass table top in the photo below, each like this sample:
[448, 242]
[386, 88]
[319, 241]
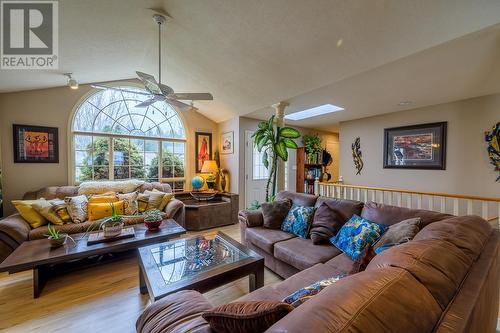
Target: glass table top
[188, 257]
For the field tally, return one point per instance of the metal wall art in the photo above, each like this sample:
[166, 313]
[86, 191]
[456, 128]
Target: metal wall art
[492, 138]
[357, 156]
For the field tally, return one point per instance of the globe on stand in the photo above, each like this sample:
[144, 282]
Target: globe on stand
[197, 183]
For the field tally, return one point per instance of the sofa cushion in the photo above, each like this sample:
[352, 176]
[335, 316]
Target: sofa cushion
[346, 208]
[298, 220]
[326, 223]
[468, 233]
[385, 214]
[299, 199]
[341, 263]
[439, 266]
[400, 232]
[245, 317]
[273, 213]
[178, 312]
[302, 253]
[391, 300]
[265, 238]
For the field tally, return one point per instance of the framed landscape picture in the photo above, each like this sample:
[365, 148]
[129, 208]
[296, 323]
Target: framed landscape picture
[416, 147]
[203, 149]
[35, 144]
[227, 143]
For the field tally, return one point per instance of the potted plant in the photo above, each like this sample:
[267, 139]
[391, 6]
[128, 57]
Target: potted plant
[312, 145]
[210, 182]
[113, 225]
[275, 142]
[56, 237]
[153, 219]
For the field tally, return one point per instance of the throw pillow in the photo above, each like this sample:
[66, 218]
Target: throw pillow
[303, 294]
[355, 234]
[246, 317]
[326, 223]
[61, 209]
[363, 260]
[400, 232]
[25, 209]
[131, 206]
[46, 209]
[166, 199]
[98, 211]
[298, 221]
[103, 198]
[77, 208]
[275, 212]
[142, 202]
[158, 200]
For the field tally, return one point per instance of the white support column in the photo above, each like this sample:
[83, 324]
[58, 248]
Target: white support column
[280, 114]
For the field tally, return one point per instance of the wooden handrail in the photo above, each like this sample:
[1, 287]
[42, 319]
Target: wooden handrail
[436, 194]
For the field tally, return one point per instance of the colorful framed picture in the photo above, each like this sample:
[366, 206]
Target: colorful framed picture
[203, 151]
[227, 143]
[35, 144]
[416, 147]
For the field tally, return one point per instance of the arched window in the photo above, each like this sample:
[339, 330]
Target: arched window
[112, 139]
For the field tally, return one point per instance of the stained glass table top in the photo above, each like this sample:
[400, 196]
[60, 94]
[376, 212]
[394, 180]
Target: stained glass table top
[192, 263]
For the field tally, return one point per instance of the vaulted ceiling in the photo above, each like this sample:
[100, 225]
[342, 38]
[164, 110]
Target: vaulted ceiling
[364, 55]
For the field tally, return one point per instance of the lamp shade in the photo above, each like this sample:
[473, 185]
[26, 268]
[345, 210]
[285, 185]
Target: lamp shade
[209, 166]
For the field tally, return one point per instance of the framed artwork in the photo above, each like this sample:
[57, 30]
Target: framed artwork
[35, 144]
[203, 151]
[416, 147]
[227, 143]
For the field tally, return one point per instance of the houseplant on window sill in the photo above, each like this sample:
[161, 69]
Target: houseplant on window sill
[152, 219]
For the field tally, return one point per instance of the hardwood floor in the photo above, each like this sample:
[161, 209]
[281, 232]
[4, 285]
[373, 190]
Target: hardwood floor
[104, 298]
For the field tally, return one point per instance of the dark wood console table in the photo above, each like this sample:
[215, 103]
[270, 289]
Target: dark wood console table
[200, 215]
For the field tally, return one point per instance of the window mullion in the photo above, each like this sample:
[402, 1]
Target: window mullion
[111, 171]
[160, 162]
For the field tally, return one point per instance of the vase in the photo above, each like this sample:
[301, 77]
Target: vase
[112, 230]
[57, 242]
[223, 183]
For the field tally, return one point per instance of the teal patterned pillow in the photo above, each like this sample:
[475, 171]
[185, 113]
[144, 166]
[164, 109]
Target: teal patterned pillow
[303, 294]
[298, 220]
[356, 234]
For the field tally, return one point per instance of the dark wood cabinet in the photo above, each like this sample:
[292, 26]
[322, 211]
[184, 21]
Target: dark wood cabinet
[305, 185]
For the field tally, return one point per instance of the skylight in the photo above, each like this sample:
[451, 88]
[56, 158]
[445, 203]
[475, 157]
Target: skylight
[314, 112]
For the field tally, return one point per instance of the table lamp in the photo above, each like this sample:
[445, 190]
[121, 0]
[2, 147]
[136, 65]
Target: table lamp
[210, 167]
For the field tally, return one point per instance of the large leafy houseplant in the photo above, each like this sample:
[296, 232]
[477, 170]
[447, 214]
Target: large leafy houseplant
[274, 142]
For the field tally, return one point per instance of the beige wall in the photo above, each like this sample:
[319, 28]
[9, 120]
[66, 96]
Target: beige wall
[230, 162]
[53, 107]
[467, 167]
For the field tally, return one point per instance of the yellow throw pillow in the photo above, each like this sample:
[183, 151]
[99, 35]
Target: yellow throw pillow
[25, 209]
[158, 199]
[46, 209]
[142, 202]
[61, 209]
[97, 211]
[103, 198]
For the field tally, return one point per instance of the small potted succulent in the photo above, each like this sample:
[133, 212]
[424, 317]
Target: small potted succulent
[153, 219]
[112, 226]
[56, 238]
[210, 182]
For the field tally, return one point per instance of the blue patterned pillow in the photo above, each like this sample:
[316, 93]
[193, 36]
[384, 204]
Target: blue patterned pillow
[356, 234]
[298, 220]
[303, 294]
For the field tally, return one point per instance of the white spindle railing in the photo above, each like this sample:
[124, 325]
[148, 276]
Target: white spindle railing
[456, 204]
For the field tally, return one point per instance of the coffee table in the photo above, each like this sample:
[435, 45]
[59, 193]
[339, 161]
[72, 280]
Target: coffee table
[199, 263]
[46, 261]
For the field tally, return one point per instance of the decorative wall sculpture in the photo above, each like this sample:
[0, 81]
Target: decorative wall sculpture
[357, 156]
[493, 140]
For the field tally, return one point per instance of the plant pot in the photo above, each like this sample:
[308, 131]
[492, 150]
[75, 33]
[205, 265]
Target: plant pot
[211, 184]
[153, 225]
[57, 242]
[112, 229]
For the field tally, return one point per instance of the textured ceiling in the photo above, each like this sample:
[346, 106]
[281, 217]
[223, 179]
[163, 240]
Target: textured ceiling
[251, 54]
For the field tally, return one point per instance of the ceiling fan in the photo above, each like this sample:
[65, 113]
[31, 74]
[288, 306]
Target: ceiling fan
[156, 90]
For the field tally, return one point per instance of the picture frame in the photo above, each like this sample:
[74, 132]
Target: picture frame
[35, 144]
[227, 143]
[420, 146]
[203, 149]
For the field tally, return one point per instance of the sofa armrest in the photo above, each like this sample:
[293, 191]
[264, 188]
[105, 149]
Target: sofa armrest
[175, 210]
[178, 312]
[251, 218]
[13, 231]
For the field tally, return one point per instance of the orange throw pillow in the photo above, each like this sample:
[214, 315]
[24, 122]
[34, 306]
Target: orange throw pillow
[100, 210]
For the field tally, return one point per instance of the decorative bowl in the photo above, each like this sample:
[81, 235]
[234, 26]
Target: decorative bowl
[112, 230]
[57, 242]
[153, 225]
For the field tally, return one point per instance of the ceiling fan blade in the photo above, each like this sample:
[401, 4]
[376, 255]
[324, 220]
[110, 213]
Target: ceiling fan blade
[146, 103]
[180, 105]
[149, 83]
[166, 90]
[100, 86]
[193, 96]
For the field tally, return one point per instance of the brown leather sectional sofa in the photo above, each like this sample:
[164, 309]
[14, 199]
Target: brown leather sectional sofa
[445, 280]
[14, 229]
